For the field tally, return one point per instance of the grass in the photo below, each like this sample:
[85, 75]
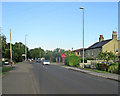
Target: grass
[95, 70]
[17, 63]
[6, 69]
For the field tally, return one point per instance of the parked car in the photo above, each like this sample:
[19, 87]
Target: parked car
[6, 62]
[46, 62]
[38, 60]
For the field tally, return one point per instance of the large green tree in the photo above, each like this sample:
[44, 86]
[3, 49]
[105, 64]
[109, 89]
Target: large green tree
[36, 53]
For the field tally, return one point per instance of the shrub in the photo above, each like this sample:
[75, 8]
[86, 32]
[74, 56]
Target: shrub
[85, 60]
[113, 68]
[100, 66]
[5, 69]
[97, 65]
[66, 60]
[72, 60]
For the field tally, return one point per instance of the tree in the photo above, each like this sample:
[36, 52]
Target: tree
[68, 52]
[106, 56]
[36, 53]
[4, 45]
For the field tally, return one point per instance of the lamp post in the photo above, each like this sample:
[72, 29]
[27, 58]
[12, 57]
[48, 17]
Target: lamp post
[25, 48]
[83, 34]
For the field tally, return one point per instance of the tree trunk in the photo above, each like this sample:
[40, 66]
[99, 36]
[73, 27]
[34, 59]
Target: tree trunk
[56, 59]
[59, 59]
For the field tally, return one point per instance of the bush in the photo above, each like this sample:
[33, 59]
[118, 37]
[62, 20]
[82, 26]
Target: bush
[96, 65]
[66, 60]
[85, 60]
[5, 69]
[100, 66]
[113, 68]
[72, 60]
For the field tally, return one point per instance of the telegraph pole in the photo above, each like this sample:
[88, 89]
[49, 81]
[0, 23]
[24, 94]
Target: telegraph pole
[25, 48]
[10, 49]
[0, 46]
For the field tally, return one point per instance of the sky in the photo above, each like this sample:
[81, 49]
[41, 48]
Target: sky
[51, 25]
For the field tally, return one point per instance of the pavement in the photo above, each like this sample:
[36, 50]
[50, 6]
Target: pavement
[104, 75]
[20, 80]
[52, 79]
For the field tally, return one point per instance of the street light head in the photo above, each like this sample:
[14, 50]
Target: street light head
[81, 7]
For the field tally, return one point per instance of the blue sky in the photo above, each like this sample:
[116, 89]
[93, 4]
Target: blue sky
[58, 24]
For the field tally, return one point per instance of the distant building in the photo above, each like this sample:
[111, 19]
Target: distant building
[79, 52]
[110, 45]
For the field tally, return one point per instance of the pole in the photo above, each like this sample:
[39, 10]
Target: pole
[0, 47]
[25, 48]
[83, 37]
[83, 34]
[10, 49]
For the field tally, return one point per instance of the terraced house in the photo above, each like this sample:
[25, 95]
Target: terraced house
[110, 45]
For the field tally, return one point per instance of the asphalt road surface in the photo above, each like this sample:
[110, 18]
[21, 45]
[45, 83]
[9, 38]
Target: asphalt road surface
[53, 79]
[57, 80]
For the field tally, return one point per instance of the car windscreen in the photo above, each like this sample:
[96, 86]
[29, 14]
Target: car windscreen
[46, 61]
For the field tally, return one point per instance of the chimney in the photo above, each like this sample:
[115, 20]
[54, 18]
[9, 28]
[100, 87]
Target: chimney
[101, 38]
[114, 35]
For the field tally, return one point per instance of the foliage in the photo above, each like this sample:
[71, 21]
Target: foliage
[68, 52]
[72, 60]
[5, 69]
[55, 55]
[17, 50]
[106, 56]
[113, 68]
[36, 53]
[85, 60]
[67, 60]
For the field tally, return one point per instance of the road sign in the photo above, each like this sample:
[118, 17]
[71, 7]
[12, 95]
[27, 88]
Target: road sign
[63, 55]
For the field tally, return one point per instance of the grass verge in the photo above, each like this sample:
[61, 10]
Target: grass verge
[6, 69]
[95, 70]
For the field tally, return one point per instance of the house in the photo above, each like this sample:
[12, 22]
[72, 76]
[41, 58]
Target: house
[79, 52]
[110, 45]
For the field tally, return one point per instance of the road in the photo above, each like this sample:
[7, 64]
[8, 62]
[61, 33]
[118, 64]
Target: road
[53, 79]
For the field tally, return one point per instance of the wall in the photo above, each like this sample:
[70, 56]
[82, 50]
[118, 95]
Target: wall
[111, 46]
[76, 53]
[92, 53]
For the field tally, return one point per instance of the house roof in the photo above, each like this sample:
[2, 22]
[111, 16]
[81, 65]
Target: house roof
[77, 50]
[99, 44]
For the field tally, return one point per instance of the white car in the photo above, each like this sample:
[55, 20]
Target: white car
[46, 62]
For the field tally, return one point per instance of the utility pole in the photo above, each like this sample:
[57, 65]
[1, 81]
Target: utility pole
[10, 49]
[0, 47]
[83, 34]
[25, 48]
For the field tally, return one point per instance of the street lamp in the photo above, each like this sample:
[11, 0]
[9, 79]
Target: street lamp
[83, 34]
[25, 48]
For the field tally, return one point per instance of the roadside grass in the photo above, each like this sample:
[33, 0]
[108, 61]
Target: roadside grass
[17, 63]
[6, 69]
[95, 70]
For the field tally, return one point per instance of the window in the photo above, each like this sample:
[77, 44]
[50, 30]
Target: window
[78, 53]
[116, 49]
[88, 54]
[92, 52]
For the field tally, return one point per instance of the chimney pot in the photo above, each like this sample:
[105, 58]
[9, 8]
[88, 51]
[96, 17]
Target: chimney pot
[114, 35]
[101, 38]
